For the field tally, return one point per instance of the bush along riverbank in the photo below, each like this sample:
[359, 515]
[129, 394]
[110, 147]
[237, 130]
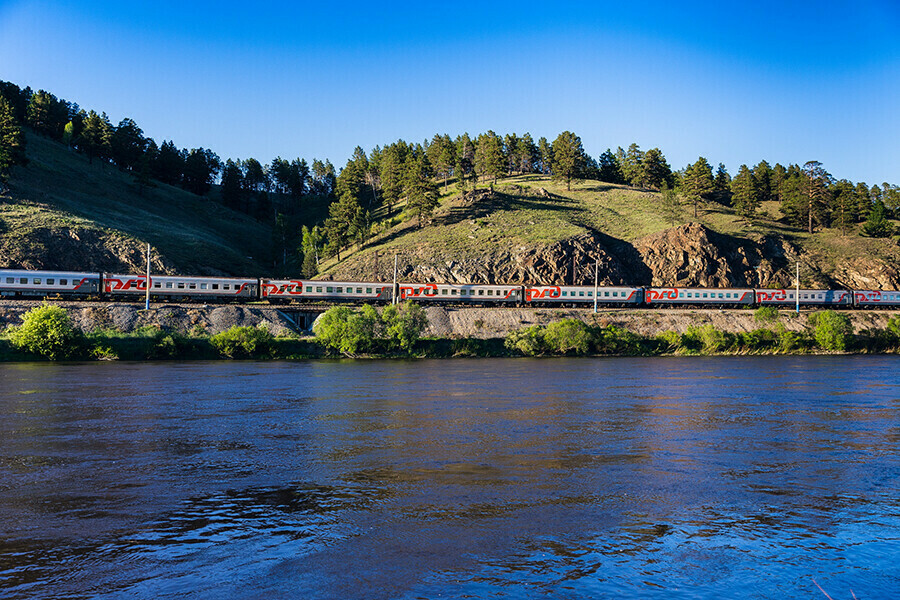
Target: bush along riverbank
[47, 333]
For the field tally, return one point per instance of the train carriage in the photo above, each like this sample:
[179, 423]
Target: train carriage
[337, 291]
[40, 284]
[181, 287]
[581, 294]
[675, 296]
[876, 298]
[462, 293]
[788, 297]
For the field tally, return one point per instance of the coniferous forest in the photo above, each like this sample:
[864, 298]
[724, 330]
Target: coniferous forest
[321, 211]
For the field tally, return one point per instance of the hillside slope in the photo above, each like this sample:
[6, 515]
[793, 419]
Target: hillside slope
[532, 230]
[65, 213]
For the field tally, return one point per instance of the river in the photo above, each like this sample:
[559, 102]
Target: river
[497, 478]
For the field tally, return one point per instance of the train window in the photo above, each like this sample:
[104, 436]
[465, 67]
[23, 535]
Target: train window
[50, 281]
[192, 286]
[169, 285]
[689, 295]
[157, 284]
[23, 280]
[329, 290]
[10, 280]
[490, 292]
[203, 286]
[368, 290]
[444, 292]
[581, 294]
[615, 294]
[339, 290]
[180, 286]
[452, 292]
[359, 290]
[721, 295]
[215, 286]
[590, 294]
[606, 294]
[37, 280]
[480, 292]
[462, 292]
[63, 282]
[318, 289]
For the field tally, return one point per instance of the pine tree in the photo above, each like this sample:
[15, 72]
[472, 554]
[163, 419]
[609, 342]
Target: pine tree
[843, 204]
[12, 143]
[546, 155]
[745, 192]
[863, 201]
[698, 184]
[92, 136]
[722, 186]
[489, 159]
[421, 191]
[127, 145]
[654, 169]
[232, 185]
[528, 154]
[569, 160]
[815, 192]
[763, 173]
[631, 166]
[876, 224]
[610, 169]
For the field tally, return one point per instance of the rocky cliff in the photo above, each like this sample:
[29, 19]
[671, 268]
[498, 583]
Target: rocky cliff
[688, 255]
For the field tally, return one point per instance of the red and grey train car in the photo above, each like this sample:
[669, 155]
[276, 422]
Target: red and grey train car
[71, 284]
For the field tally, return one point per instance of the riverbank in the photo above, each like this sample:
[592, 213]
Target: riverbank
[123, 332]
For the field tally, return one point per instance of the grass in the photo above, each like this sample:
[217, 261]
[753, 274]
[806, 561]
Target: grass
[60, 191]
[533, 210]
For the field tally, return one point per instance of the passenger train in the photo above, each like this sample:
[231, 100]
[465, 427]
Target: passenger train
[110, 286]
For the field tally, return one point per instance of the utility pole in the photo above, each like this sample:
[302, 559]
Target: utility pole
[596, 270]
[798, 287]
[395, 291]
[147, 282]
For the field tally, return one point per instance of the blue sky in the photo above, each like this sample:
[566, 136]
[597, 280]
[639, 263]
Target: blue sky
[736, 83]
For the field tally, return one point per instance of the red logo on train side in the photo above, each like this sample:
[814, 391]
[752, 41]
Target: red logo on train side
[653, 295]
[771, 295]
[540, 293]
[427, 290]
[293, 288]
[124, 285]
[868, 296]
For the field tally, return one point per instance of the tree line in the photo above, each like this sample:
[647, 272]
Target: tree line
[415, 174]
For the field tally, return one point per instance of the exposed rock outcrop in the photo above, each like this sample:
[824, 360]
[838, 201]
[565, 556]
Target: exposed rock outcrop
[77, 249]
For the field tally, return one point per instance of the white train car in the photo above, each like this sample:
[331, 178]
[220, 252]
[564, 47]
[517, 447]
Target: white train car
[876, 298]
[702, 296]
[582, 294]
[348, 291]
[174, 286]
[15, 282]
[788, 297]
[462, 293]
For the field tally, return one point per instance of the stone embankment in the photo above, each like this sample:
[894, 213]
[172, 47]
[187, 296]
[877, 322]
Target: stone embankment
[483, 323]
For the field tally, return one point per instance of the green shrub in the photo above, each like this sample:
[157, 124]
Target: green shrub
[893, 325]
[568, 336]
[706, 338]
[766, 314]
[833, 330]
[615, 340]
[758, 339]
[351, 332]
[404, 324]
[669, 341]
[47, 331]
[243, 342]
[528, 341]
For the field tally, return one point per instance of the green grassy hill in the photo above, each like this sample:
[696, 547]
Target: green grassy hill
[59, 203]
[527, 213]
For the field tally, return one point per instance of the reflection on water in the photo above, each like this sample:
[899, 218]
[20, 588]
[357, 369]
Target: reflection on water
[684, 478]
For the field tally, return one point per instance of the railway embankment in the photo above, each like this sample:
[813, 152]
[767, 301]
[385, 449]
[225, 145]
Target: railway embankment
[443, 322]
